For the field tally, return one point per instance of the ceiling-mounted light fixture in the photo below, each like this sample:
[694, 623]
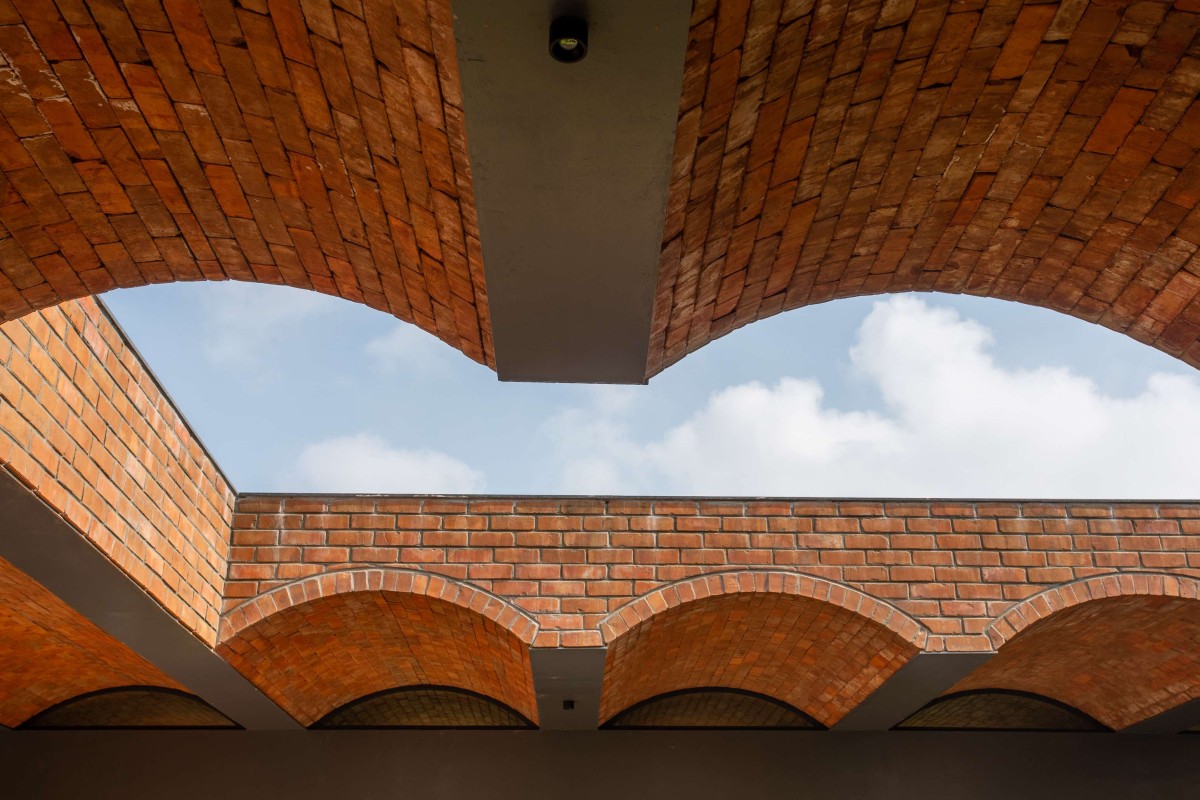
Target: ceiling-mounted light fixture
[568, 39]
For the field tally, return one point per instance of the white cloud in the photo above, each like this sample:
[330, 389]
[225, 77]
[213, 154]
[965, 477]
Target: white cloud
[367, 464]
[953, 423]
[244, 321]
[407, 347]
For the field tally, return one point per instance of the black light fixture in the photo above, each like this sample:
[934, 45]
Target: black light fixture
[568, 39]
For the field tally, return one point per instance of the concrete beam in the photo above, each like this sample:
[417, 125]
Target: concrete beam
[926, 676]
[37, 541]
[571, 165]
[563, 676]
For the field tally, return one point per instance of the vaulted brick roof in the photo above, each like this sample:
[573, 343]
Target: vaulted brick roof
[49, 653]
[815, 646]
[322, 653]
[318, 147]
[1119, 660]
[1041, 153]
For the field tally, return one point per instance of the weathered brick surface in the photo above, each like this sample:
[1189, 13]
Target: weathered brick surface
[954, 566]
[816, 646]
[311, 144]
[1046, 153]
[1119, 649]
[87, 428]
[49, 653]
[334, 639]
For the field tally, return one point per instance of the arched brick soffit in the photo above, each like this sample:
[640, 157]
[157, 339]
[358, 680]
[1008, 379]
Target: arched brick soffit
[319, 147]
[1042, 153]
[320, 642]
[1097, 587]
[1121, 647]
[50, 653]
[817, 645]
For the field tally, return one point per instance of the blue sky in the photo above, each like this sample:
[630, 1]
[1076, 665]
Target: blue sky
[907, 395]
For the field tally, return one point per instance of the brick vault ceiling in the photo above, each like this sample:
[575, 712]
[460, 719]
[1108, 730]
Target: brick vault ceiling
[1045, 153]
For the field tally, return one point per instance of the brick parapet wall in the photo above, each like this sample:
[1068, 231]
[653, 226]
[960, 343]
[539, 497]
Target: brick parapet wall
[954, 565]
[85, 425]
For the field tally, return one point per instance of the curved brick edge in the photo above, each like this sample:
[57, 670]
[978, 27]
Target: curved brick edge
[1097, 587]
[398, 581]
[691, 590]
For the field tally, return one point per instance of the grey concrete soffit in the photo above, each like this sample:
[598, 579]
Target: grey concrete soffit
[925, 677]
[571, 166]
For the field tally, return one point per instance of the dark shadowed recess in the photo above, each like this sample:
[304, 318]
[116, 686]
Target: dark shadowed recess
[417, 707]
[1000, 710]
[130, 707]
[712, 708]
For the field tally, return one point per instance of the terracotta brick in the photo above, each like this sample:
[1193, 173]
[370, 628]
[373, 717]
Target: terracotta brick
[227, 104]
[164, 509]
[49, 653]
[692, 641]
[380, 630]
[1107, 647]
[958, 153]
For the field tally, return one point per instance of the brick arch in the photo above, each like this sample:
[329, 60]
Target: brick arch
[400, 581]
[211, 142]
[1120, 648]
[1097, 587]
[321, 642]
[1037, 153]
[819, 646]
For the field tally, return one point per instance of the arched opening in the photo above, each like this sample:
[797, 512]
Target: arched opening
[322, 643]
[1120, 649]
[817, 647]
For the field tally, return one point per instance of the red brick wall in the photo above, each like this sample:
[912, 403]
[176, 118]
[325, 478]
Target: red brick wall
[87, 428]
[955, 566]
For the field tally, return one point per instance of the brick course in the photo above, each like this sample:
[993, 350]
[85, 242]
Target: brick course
[1045, 153]
[87, 428]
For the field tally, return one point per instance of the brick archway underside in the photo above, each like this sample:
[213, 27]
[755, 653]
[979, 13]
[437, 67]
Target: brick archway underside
[49, 653]
[310, 145]
[818, 657]
[1117, 659]
[316, 656]
[1044, 153]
